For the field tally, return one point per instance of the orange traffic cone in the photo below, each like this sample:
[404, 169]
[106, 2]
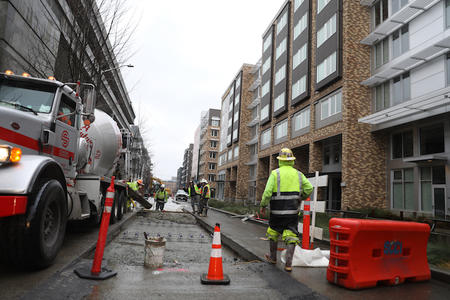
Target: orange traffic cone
[215, 272]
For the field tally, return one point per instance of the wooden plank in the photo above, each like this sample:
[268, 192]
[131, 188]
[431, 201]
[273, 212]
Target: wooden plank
[320, 206]
[321, 182]
[318, 232]
[139, 199]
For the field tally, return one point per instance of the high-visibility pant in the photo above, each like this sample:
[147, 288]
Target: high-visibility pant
[288, 236]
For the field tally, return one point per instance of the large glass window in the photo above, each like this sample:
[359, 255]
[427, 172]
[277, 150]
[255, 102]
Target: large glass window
[382, 96]
[282, 22]
[279, 102]
[400, 41]
[432, 139]
[330, 106]
[300, 56]
[401, 88]
[236, 152]
[299, 87]
[301, 119]
[281, 129]
[265, 88]
[214, 132]
[264, 112]
[301, 25]
[381, 53]
[281, 48]
[398, 4]
[66, 111]
[266, 66]
[212, 154]
[321, 4]
[237, 99]
[326, 31]
[265, 137]
[215, 123]
[267, 42]
[212, 166]
[280, 74]
[447, 12]
[403, 189]
[213, 144]
[297, 4]
[380, 12]
[235, 133]
[326, 67]
[402, 144]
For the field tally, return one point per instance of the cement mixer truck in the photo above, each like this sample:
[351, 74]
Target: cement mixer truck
[57, 156]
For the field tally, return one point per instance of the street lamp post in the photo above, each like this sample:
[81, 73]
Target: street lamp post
[115, 68]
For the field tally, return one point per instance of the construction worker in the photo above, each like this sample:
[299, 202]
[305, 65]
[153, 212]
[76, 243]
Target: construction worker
[135, 186]
[206, 194]
[284, 190]
[161, 197]
[191, 193]
[195, 201]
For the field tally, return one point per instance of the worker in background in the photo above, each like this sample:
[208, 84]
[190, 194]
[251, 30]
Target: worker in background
[161, 197]
[135, 186]
[192, 194]
[206, 194]
[197, 198]
[284, 190]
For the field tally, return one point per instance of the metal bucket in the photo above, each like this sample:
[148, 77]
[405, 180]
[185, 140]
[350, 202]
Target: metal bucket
[154, 252]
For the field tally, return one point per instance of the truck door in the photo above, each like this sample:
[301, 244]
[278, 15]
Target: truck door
[66, 135]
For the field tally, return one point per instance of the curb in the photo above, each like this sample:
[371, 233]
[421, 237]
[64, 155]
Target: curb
[436, 273]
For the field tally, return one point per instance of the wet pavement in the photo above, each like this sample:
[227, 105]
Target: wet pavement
[250, 239]
[186, 257]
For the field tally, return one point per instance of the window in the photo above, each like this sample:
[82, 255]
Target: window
[265, 137]
[448, 68]
[236, 116]
[235, 134]
[432, 139]
[321, 4]
[300, 56]
[230, 106]
[382, 96]
[279, 102]
[237, 99]
[301, 25]
[301, 119]
[66, 111]
[330, 106]
[230, 122]
[397, 5]
[281, 129]
[222, 159]
[253, 150]
[215, 123]
[211, 177]
[212, 154]
[299, 87]
[447, 12]
[264, 112]
[280, 74]
[236, 152]
[403, 189]
[428, 177]
[212, 166]
[214, 132]
[265, 88]
[252, 171]
[326, 31]
[326, 67]
[213, 144]
[297, 4]
[381, 53]
[230, 155]
[401, 88]
[281, 48]
[266, 66]
[267, 42]
[380, 12]
[229, 139]
[402, 144]
[282, 22]
[238, 82]
[400, 41]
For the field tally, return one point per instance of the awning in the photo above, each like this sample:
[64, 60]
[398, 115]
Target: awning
[425, 158]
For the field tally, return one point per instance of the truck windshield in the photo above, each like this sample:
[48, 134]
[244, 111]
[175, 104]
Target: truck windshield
[27, 95]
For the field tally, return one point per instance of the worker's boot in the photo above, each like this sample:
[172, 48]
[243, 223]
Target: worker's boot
[272, 256]
[289, 256]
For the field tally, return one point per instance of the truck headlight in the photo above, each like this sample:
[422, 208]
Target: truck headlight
[10, 154]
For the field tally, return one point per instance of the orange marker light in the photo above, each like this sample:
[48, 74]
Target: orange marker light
[51, 78]
[16, 155]
[9, 72]
[25, 74]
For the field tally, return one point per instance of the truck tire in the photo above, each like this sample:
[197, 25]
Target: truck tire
[37, 246]
[115, 209]
[122, 205]
[97, 214]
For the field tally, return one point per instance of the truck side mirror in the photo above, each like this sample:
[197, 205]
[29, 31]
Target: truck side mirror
[89, 101]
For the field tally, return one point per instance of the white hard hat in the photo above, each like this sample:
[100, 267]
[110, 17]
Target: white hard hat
[203, 180]
[163, 186]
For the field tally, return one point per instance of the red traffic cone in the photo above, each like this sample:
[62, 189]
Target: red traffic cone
[215, 272]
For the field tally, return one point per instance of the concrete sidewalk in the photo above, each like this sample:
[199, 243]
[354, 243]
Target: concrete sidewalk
[247, 239]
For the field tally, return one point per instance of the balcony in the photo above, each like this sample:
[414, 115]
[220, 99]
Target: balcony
[435, 47]
[253, 141]
[255, 84]
[425, 106]
[253, 160]
[255, 102]
[253, 122]
[407, 13]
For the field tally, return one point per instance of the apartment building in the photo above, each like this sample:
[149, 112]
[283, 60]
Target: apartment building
[237, 158]
[410, 107]
[187, 165]
[196, 154]
[209, 146]
[311, 100]
[179, 178]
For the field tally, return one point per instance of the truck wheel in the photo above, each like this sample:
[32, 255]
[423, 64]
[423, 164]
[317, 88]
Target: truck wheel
[122, 205]
[48, 227]
[115, 209]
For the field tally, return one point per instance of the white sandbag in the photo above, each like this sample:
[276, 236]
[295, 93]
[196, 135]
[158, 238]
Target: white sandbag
[308, 258]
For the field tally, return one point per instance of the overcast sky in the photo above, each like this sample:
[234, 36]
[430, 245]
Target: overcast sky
[188, 52]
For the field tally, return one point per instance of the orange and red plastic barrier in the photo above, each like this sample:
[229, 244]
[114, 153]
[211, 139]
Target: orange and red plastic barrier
[364, 253]
[215, 271]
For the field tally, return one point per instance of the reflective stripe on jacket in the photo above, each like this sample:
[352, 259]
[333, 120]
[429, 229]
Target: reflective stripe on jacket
[206, 192]
[198, 191]
[286, 202]
[161, 195]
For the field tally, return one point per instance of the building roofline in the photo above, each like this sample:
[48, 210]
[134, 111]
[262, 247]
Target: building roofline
[276, 17]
